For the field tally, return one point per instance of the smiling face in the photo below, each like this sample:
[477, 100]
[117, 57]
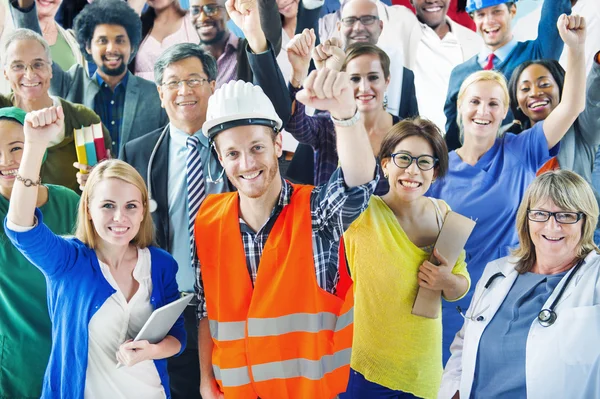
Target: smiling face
[116, 211]
[368, 81]
[47, 8]
[288, 8]
[551, 239]
[409, 183]
[211, 28]
[110, 48]
[537, 93]
[359, 32]
[482, 109]
[249, 156]
[28, 69]
[11, 151]
[186, 106]
[431, 12]
[493, 24]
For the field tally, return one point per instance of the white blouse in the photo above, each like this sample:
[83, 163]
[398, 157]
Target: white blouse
[114, 323]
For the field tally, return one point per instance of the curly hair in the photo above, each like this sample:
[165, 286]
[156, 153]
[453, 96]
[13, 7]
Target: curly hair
[110, 12]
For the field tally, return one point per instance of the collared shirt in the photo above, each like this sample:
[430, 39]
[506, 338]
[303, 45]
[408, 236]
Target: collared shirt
[333, 207]
[227, 62]
[179, 237]
[501, 53]
[433, 65]
[109, 105]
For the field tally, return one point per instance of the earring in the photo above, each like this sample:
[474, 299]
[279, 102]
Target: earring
[385, 101]
[385, 175]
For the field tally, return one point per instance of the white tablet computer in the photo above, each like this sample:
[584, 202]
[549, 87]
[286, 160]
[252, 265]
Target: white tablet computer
[162, 319]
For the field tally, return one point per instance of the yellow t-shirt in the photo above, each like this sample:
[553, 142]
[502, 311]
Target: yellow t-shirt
[392, 347]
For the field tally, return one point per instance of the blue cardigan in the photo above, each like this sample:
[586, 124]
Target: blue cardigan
[547, 45]
[76, 290]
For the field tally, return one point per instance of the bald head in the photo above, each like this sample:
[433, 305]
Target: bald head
[360, 22]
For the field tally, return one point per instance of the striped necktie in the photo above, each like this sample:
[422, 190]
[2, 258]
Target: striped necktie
[195, 186]
[490, 64]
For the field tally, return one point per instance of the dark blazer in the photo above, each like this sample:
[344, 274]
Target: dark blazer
[137, 152]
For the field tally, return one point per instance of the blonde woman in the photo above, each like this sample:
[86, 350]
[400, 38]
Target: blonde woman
[488, 175]
[103, 284]
[533, 326]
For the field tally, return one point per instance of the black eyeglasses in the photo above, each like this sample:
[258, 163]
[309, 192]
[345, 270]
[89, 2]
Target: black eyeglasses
[209, 9]
[191, 83]
[561, 217]
[404, 160]
[365, 20]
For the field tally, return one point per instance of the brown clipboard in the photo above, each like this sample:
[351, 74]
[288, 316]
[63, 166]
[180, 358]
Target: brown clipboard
[450, 242]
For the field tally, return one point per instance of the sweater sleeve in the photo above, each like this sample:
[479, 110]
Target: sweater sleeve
[589, 119]
[171, 293]
[52, 254]
[548, 42]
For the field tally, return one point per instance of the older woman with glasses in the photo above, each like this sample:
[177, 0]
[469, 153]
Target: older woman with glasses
[534, 323]
[394, 353]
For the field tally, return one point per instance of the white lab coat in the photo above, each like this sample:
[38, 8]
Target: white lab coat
[562, 361]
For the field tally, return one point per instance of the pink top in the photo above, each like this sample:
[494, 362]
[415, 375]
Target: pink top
[151, 49]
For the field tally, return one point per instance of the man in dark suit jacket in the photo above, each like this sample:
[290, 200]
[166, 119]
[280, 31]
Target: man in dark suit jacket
[166, 150]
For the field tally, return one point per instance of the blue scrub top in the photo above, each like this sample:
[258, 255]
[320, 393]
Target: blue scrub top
[489, 192]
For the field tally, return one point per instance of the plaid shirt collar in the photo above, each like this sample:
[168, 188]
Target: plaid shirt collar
[284, 199]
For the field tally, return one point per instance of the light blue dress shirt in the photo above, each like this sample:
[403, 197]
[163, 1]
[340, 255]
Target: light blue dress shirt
[179, 239]
[501, 54]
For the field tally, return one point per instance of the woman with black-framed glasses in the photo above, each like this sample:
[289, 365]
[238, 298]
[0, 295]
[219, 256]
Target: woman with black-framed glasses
[388, 247]
[534, 322]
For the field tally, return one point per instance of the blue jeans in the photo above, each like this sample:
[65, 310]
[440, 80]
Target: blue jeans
[360, 388]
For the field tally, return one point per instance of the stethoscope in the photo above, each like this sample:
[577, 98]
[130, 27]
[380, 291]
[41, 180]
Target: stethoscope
[152, 205]
[546, 317]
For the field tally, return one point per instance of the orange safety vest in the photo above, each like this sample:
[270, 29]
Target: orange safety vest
[285, 337]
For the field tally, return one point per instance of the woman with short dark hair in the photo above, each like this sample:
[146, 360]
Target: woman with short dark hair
[395, 353]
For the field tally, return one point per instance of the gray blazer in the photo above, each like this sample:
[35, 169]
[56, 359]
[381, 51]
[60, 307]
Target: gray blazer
[143, 112]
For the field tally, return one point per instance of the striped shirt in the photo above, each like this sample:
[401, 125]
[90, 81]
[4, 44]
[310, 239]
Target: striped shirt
[109, 105]
[333, 206]
[318, 131]
[227, 62]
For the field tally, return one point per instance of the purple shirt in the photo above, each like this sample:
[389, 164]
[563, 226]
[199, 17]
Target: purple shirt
[227, 62]
[318, 131]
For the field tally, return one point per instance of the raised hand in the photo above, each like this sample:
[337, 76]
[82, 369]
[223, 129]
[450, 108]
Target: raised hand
[299, 50]
[572, 29]
[44, 125]
[329, 90]
[329, 55]
[245, 14]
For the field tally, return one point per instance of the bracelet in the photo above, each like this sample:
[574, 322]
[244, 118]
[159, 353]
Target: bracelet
[346, 122]
[29, 182]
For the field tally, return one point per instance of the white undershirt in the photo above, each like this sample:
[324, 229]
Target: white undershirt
[114, 323]
[435, 61]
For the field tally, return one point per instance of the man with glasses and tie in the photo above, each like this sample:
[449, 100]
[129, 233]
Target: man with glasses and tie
[181, 168]
[210, 17]
[501, 51]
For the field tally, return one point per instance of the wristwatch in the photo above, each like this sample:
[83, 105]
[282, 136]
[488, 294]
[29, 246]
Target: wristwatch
[346, 122]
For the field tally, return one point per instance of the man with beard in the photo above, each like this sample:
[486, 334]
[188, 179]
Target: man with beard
[109, 33]
[271, 325]
[210, 19]
[501, 51]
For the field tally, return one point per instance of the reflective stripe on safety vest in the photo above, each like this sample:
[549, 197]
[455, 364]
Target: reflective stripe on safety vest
[264, 327]
[293, 368]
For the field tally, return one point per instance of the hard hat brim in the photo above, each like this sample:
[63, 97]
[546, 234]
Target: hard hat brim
[215, 126]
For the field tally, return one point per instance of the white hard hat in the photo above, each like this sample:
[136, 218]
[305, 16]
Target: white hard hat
[239, 103]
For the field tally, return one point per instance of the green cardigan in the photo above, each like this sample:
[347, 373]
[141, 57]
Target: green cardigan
[25, 330]
[58, 168]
